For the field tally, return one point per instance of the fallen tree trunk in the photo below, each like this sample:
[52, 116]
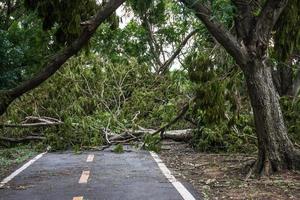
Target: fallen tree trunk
[177, 135]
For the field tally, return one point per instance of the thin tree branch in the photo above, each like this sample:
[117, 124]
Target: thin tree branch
[166, 65]
[217, 30]
[181, 114]
[268, 18]
[152, 43]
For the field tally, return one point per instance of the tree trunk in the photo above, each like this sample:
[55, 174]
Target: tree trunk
[276, 151]
[5, 100]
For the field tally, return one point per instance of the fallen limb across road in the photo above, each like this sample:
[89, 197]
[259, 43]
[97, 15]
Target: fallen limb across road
[136, 135]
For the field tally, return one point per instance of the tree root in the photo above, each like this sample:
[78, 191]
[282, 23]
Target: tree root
[264, 167]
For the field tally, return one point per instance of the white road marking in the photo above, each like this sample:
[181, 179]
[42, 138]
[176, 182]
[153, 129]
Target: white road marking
[18, 171]
[77, 198]
[186, 195]
[90, 158]
[84, 177]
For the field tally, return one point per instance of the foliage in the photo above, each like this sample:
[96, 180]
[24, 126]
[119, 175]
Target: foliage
[222, 124]
[90, 94]
[118, 148]
[117, 45]
[152, 142]
[23, 48]
[291, 110]
[115, 86]
[11, 157]
[65, 16]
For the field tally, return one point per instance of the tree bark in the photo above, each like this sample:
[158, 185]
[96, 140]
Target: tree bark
[276, 151]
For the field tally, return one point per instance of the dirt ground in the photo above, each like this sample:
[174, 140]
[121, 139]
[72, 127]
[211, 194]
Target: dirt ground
[223, 176]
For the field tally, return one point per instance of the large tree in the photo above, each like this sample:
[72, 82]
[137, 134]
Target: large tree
[248, 46]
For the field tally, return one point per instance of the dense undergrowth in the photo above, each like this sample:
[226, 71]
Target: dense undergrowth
[117, 86]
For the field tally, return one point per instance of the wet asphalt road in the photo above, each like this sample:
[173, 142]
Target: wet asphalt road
[131, 175]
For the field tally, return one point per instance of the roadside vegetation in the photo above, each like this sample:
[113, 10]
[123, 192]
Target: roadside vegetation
[10, 158]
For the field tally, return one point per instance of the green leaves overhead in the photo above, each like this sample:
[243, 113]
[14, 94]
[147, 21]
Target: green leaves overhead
[152, 10]
[210, 92]
[23, 49]
[65, 16]
[141, 6]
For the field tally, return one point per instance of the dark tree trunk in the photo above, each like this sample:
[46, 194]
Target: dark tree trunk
[276, 151]
[5, 100]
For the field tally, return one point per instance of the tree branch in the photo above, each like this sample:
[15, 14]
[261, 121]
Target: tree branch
[166, 65]
[56, 61]
[223, 36]
[267, 19]
[30, 125]
[152, 43]
[244, 18]
[182, 112]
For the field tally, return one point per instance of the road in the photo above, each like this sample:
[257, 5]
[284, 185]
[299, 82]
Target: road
[101, 175]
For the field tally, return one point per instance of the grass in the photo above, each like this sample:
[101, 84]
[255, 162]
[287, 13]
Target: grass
[12, 157]
[118, 148]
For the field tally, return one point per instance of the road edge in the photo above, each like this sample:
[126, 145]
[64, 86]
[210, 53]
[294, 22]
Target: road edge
[18, 171]
[182, 190]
